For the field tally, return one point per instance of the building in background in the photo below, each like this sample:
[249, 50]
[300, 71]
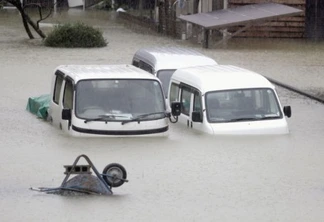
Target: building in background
[309, 24]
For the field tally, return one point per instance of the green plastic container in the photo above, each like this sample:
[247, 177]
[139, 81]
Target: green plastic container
[39, 106]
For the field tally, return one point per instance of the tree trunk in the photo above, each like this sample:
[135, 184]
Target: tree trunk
[35, 27]
[26, 20]
[18, 5]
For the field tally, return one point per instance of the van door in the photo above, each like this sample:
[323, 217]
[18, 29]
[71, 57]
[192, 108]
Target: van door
[184, 94]
[197, 106]
[67, 101]
[186, 99]
[55, 106]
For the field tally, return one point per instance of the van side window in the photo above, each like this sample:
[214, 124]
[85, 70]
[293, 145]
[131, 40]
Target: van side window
[145, 67]
[197, 102]
[174, 93]
[185, 101]
[135, 63]
[68, 95]
[57, 88]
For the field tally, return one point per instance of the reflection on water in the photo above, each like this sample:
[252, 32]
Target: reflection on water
[187, 176]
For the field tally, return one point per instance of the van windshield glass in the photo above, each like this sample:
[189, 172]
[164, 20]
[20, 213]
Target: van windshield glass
[119, 100]
[165, 77]
[242, 105]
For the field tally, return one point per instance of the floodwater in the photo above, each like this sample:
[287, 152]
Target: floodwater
[184, 177]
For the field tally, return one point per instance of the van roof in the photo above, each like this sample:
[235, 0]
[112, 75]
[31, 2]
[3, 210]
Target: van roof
[220, 77]
[80, 72]
[172, 57]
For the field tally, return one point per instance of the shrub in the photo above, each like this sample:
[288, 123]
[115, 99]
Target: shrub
[75, 35]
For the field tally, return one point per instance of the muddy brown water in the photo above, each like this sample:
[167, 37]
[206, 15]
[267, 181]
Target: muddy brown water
[184, 177]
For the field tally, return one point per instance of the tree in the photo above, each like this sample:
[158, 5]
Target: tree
[27, 21]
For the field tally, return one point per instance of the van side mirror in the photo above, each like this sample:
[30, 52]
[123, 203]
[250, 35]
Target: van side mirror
[196, 116]
[175, 108]
[287, 111]
[66, 114]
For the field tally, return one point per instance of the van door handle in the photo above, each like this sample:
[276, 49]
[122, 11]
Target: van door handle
[187, 123]
[191, 124]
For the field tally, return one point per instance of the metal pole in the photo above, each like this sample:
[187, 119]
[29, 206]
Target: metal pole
[206, 38]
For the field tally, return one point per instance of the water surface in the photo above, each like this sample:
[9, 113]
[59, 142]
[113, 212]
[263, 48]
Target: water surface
[184, 177]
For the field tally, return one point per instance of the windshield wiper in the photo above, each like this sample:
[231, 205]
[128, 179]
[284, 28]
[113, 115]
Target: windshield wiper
[252, 118]
[270, 117]
[105, 118]
[243, 119]
[138, 118]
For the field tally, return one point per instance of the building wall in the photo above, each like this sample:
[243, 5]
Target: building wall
[285, 27]
[309, 24]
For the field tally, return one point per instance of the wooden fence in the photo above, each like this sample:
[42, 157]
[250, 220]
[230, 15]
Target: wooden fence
[47, 3]
[59, 3]
[139, 20]
[285, 27]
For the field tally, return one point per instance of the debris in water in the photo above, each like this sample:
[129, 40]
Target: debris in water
[114, 175]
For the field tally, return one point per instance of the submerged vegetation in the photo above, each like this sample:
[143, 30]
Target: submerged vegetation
[75, 35]
[111, 5]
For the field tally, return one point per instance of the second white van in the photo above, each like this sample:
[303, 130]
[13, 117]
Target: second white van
[223, 99]
[163, 61]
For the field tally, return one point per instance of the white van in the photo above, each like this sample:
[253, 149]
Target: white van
[107, 100]
[163, 61]
[223, 99]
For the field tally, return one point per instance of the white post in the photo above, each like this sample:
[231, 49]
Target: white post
[225, 4]
[55, 6]
[188, 30]
[205, 6]
[156, 14]
[84, 4]
[225, 7]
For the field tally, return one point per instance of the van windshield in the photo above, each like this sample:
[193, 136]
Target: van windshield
[242, 105]
[165, 77]
[118, 99]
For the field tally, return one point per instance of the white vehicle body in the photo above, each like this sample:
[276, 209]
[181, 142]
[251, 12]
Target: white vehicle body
[222, 99]
[163, 61]
[107, 100]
